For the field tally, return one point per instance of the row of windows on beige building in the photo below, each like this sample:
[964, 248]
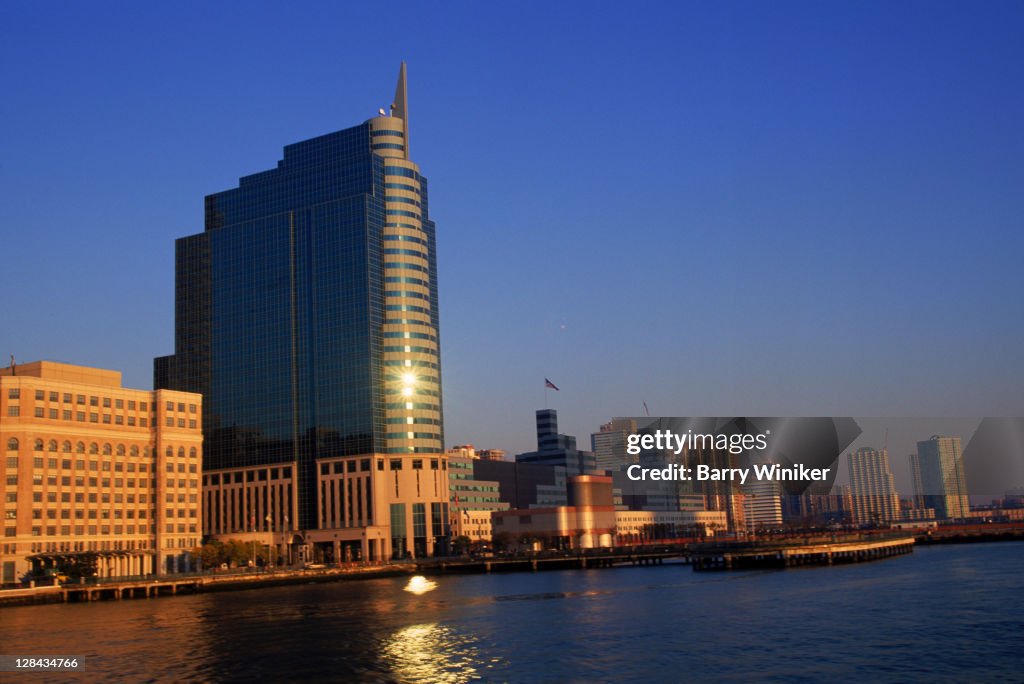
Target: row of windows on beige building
[67, 406]
[91, 468]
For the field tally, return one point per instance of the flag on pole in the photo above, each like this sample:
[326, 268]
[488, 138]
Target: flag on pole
[646, 412]
[548, 383]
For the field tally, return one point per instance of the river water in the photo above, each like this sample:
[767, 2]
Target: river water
[947, 613]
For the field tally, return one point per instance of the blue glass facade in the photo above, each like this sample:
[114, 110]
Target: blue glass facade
[281, 314]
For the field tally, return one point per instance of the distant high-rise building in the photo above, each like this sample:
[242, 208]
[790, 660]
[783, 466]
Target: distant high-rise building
[555, 449]
[762, 504]
[915, 475]
[939, 477]
[609, 445]
[846, 500]
[815, 509]
[872, 488]
[307, 317]
[720, 495]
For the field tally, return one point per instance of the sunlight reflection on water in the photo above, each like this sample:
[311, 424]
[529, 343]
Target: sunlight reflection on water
[420, 585]
[432, 653]
[629, 624]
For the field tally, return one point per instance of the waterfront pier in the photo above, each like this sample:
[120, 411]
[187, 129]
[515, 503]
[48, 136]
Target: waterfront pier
[172, 585]
[593, 558]
[750, 556]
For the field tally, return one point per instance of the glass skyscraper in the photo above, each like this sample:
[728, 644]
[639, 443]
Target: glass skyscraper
[938, 472]
[306, 312]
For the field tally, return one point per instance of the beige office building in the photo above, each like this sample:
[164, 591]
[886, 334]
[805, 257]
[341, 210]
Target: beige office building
[371, 507]
[95, 472]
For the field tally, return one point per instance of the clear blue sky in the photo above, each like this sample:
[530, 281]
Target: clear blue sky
[717, 208]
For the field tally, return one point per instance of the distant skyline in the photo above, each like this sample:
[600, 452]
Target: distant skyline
[728, 209]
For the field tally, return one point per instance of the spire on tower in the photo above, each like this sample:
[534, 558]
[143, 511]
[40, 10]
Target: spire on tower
[400, 106]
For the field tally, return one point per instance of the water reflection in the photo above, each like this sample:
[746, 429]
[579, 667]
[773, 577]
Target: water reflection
[637, 624]
[432, 653]
[420, 585]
